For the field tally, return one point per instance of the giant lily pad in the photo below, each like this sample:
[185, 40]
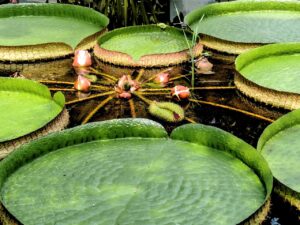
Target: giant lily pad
[146, 46]
[43, 31]
[26, 106]
[129, 172]
[271, 74]
[234, 27]
[279, 144]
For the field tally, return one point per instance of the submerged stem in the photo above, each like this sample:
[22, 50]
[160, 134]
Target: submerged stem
[233, 109]
[110, 77]
[190, 120]
[55, 82]
[92, 113]
[214, 88]
[139, 95]
[90, 97]
[62, 89]
[132, 108]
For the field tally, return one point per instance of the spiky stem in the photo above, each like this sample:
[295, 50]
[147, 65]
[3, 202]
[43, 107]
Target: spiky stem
[90, 97]
[233, 109]
[214, 88]
[179, 77]
[132, 108]
[62, 89]
[139, 95]
[56, 82]
[190, 120]
[92, 113]
[154, 93]
[154, 89]
[110, 77]
[100, 87]
[139, 76]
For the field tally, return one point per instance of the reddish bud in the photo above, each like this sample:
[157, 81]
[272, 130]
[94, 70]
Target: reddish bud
[181, 92]
[125, 95]
[204, 66]
[162, 79]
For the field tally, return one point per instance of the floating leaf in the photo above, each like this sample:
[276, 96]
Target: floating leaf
[127, 171]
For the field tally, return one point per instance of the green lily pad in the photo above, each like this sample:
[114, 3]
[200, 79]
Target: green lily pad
[248, 21]
[279, 144]
[272, 66]
[129, 172]
[31, 24]
[147, 46]
[26, 106]
[145, 40]
[270, 74]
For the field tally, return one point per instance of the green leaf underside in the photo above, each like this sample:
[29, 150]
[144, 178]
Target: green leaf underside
[146, 41]
[249, 22]
[31, 30]
[133, 181]
[25, 106]
[283, 155]
[274, 66]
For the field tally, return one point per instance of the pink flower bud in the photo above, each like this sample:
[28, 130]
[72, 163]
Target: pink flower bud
[82, 58]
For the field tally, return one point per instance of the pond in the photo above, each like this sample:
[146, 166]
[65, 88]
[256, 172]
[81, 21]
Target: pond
[218, 106]
[146, 73]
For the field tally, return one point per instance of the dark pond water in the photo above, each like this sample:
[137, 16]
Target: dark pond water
[210, 111]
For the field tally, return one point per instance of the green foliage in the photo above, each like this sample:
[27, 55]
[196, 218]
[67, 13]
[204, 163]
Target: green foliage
[128, 172]
[255, 22]
[128, 12]
[274, 66]
[279, 144]
[26, 106]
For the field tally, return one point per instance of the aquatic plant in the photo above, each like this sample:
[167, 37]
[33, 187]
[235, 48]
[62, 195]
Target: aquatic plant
[270, 74]
[27, 111]
[69, 28]
[140, 168]
[226, 27]
[279, 144]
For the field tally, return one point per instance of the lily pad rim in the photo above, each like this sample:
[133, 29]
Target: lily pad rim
[285, 122]
[118, 58]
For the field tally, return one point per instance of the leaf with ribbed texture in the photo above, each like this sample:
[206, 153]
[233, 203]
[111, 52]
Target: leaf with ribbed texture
[129, 172]
[279, 144]
[273, 66]
[138, 41]
[30, 24]
[248, 21]
[26, 106]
